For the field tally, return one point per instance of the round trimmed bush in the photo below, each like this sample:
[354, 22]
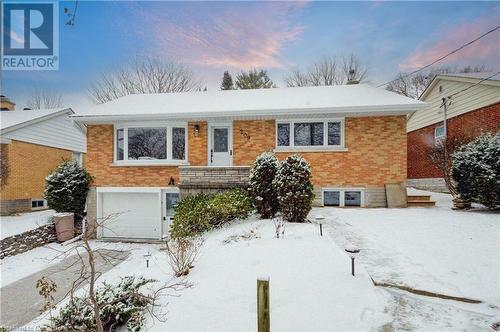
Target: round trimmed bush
[66, 188]
[263, 194]
[476, 169]
[294, 188]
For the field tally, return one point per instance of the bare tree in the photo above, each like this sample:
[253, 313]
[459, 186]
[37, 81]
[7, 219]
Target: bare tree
[87, 274]
[328, 71]
[144, 75]
[42, 99]
[414, 85]
[440, 156]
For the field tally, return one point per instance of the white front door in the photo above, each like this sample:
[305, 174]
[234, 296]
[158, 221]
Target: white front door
[220, 149]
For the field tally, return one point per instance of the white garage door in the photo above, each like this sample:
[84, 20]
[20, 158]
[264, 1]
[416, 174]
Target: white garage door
[138, 215]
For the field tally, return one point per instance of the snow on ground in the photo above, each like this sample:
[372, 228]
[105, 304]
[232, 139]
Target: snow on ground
[437, 249]
[12, 225]
[310, 283]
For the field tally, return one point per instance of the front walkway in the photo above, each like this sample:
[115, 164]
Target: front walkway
[20, 301]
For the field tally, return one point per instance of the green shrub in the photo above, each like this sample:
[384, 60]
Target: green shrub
[199, 213]
[294, 188]
[66, 188]
[476, 170]
[261, 185]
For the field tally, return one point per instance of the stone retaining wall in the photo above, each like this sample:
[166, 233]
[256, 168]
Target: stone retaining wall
[201, 179]
[19, 243]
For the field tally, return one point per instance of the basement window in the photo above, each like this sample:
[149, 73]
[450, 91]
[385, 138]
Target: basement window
[38, 204]
[343, 197]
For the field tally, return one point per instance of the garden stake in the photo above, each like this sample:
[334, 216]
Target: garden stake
[321, 229]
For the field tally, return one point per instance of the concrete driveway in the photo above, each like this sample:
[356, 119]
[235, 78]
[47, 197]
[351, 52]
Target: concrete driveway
[20, 302]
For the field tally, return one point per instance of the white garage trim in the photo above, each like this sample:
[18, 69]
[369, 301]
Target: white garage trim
[147, 190]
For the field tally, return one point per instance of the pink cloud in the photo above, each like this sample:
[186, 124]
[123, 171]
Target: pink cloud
[239, 35]
[484, 50]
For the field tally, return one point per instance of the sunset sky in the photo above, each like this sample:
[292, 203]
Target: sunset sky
[211, 37]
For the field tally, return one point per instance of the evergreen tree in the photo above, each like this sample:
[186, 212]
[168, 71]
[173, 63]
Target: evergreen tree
[254, 79]
[261, 185]
[293, 186]
[227, 82]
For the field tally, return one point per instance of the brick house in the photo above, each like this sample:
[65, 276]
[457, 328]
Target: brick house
[33, 143]
[146, 151]
[469, 113]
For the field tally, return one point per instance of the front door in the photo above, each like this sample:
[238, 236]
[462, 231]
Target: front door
[220, 145]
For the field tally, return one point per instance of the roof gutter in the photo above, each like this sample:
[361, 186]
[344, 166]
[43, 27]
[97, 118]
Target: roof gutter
[342, 111]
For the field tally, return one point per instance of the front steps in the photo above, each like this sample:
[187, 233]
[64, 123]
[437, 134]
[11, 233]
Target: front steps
[420, 201]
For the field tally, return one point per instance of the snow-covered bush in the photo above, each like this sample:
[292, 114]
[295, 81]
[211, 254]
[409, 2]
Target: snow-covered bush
[66, 188]
[261, 185]
[476, 170]
[121, 304]
[294, 188]
[198, 213]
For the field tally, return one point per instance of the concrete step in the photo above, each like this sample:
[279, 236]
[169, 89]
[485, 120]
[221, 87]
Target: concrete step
[424, 198]
[412, 203]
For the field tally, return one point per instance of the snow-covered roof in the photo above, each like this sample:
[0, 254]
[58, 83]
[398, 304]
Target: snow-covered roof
[16, 119]
[340, 99]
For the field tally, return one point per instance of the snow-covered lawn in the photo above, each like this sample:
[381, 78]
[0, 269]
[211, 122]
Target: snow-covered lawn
[437, 249]
[310, 283]
[12, 225]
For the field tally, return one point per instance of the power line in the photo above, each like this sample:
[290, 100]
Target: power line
[473, 85]
[444, 56]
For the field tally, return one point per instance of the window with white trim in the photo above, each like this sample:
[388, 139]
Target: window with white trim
[343, 197]
[143, 144]
[37, 204]
[439, 134]
[299, 134]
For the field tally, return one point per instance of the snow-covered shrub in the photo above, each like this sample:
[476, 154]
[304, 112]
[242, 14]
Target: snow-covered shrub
[261, 185]
[294, 188]
[198, 213]
[66, 188]
[121, 304]
[182, 252]
[476, 170]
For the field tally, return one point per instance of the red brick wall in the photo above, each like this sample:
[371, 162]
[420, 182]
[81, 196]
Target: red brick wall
[470, 125]
[376, 154]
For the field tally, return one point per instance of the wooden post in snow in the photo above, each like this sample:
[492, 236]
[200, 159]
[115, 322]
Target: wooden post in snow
[263, 321]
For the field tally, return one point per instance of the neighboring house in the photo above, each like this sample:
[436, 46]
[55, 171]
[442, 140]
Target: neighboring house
[146, 150]
[469, 113]
[33, 143]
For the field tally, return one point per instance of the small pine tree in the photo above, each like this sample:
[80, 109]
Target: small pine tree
[476, 170]
[254, 80]
[261, 185]
[294, 188]
[227, 82]
[66, 188]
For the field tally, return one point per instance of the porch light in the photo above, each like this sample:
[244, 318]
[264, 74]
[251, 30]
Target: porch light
[353, 252]
[196, 130]
[171, 181]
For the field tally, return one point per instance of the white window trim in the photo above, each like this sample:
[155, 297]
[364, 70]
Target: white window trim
[438, 138]
[39, 207]
[166, 162]
[342, 195]
[312, 148]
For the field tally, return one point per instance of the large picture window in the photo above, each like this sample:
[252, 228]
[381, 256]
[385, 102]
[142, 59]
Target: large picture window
[137, 144]
[298, 135]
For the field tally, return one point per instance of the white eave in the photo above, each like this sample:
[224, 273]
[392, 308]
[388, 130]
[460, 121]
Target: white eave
[350, 100]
